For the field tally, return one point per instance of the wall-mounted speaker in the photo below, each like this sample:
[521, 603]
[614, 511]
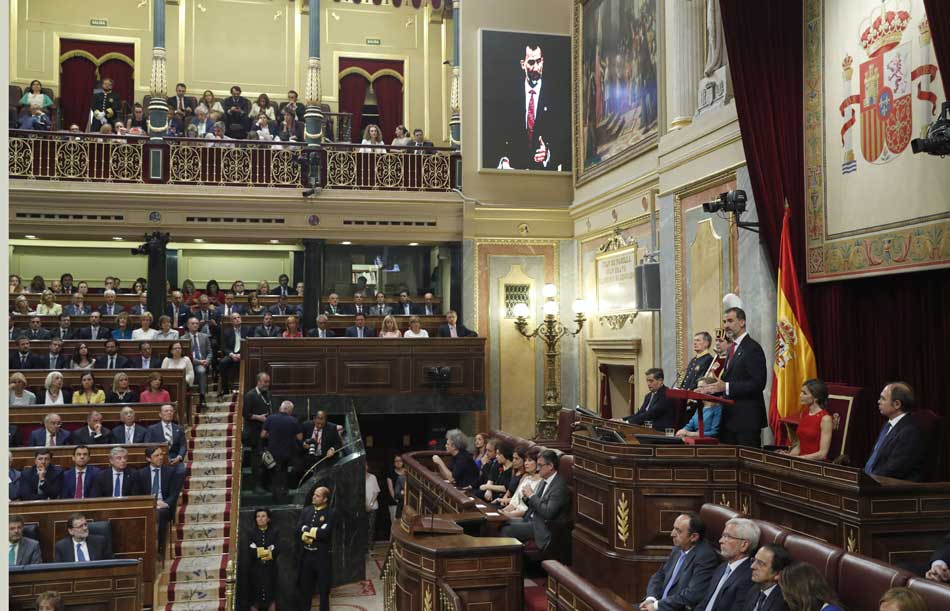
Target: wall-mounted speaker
[648, 287]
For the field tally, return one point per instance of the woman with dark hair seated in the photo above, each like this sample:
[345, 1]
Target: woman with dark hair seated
[805, 589]
[498, 486]
[516, 508]
[815, 425]
[214, 292]
[264, 551]
[88, 393]
[518, 455]
[154, 393]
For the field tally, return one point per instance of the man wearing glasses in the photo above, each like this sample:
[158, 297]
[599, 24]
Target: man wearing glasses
[551, 501]
[732, 581]
[52, 433]
[80, 546]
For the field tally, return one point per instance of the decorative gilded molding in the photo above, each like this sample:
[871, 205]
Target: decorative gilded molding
[745, 505]
[313, 93]
[426, 596]
[623, 518]
[851, 541]
[157, 81]
[617, 321]
[724, 501]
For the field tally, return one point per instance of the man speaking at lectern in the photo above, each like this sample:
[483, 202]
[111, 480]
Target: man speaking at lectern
[743, 381]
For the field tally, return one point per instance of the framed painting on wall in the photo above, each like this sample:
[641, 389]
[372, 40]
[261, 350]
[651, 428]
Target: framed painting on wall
[616, 102]
[525, 102]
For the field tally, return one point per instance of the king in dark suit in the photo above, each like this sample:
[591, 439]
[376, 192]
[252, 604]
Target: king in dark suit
[683, 580]
[899, 451]
[533, 127]
[656, 408]
[743, 381]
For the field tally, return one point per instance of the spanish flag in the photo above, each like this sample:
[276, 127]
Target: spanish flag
[794, 358]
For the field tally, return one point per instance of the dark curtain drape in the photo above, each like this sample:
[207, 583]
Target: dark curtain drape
[388, 90]
[764, 43]
[938, 14]
[865, 332]
[76, 82]
[352, 94]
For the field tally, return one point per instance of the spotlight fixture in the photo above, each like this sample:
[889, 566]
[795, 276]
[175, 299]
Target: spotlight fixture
[30, 236]
[199, 240]
[117, 238]
[413, 243]
[346, 242]
[275, 241]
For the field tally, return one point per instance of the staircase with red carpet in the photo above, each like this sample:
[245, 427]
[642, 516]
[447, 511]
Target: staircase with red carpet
[197, 572]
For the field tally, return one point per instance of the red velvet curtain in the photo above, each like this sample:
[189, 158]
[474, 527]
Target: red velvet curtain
[764, 43]
[352, 94]
[388, 90]
[76, 82]
[866, 332]
[938, 14]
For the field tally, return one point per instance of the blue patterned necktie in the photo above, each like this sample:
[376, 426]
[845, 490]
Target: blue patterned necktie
[676, 570]
[80, 557]
[117, 489]
[869, 467]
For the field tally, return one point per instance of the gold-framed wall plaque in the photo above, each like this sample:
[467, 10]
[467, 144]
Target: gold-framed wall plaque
[616, 277]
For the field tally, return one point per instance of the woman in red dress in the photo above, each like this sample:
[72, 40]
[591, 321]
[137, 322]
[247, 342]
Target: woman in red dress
[815, 425]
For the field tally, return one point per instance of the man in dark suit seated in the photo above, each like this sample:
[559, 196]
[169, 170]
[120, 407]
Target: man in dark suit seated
[145, 359]
[229, 307]
[162, 482]
[381, 308]
[358, 307]
[36, 332]
[80, 546]
[333, 307]
[23, 550]
[13, 487]
[64, 330]
[181, 102]
[283, 286]
[52, 433]
[899, 450]
[56, 360]
[453, 328]
[282, 308]
[419, 143]
[22, 358]
[428, 308]
[142, 306]
[267, 328]
[551, 502]
[79, 481]
[359, 329]
[321, 329]
[93, 433]
[177, 310]
[405, 307]
[207, 315]
[43, 480]
[232, 341]
[129, 432]
[730, 585]
[167, 431]
[767, 566]
[743, 381]
[939, 570]
[95, 330]
[115, 481]
[656, 408]
[111, 359]
[110, 307]
[683, 580]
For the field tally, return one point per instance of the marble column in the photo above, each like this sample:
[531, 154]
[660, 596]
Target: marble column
[157, 106]
[685, 21]
[455, 101]
[313, 117]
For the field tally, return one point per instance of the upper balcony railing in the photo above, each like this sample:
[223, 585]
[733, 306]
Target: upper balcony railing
[64, 156]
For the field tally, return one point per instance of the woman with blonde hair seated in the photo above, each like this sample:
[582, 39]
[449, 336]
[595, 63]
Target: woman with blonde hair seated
[54, 389]
[372, 136]
[209, 102]
[262, 107]
[48, 305]
[292, 329]
[88, 393]
[122, 391]
[389, 327]
[145, 332]
[902, 599]
[19, 395]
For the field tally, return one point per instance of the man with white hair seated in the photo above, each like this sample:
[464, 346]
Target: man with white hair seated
[732, 581]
